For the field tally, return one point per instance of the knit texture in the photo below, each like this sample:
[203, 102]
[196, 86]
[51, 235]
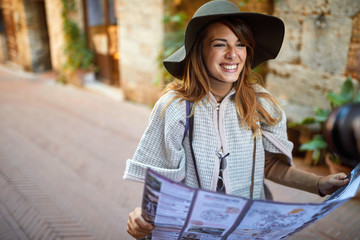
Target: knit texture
[162, 148]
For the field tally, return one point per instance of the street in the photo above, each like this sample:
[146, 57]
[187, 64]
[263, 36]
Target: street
[62, 157]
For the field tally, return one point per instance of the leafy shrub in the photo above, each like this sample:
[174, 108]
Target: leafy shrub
[317, 144]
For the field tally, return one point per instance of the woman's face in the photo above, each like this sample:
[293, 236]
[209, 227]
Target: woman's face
[223, 53]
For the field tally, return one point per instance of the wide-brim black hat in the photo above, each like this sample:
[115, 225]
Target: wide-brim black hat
[268, 32]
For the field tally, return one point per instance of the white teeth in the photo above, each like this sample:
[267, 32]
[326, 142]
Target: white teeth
[229, 67]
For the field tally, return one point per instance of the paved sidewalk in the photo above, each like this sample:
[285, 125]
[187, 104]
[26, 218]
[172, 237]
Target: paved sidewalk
[62, 157]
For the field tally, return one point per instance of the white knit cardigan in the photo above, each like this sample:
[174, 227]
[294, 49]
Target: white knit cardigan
[216, 127]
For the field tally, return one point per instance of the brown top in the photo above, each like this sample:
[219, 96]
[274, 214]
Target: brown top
[278, 170]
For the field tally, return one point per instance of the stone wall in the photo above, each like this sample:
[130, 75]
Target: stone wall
[23, 58]
[320, 48]
[39, 35]
[140, 40]
[3, 48]
[353, 64]
[56, 34]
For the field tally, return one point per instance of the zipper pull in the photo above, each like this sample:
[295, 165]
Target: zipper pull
[222, 158]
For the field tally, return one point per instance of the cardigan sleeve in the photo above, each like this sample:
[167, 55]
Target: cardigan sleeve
[160, 147]
[275, 139]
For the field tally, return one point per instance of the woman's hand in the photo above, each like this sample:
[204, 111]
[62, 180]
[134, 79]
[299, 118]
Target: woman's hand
[329, 184]
[137, 226]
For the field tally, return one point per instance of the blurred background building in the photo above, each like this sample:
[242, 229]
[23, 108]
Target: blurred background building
[126, 37]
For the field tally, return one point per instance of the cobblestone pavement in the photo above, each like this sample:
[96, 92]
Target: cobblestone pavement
[62, 157]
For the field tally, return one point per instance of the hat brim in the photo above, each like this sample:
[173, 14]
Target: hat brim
[268, 32]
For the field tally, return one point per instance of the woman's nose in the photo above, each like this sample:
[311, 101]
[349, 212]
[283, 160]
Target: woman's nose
[231, 53]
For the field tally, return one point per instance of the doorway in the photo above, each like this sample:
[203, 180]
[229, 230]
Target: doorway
[101, 30]
[36, 35]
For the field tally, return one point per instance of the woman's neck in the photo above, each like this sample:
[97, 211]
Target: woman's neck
[220, 91]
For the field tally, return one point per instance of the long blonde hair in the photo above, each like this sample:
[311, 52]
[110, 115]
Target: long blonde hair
[195, 84]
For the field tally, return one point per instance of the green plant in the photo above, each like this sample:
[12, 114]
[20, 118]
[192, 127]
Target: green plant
[174, 39]
[317, 144]
[79, 55]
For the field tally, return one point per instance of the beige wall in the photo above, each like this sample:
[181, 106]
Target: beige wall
[140, 37]
[56, 36]
[313, 59]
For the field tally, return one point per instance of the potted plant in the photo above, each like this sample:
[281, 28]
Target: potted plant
[79, 57]
[317, 145]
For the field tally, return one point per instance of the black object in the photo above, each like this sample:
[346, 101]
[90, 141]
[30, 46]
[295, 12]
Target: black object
[190, 126]
[341, 130]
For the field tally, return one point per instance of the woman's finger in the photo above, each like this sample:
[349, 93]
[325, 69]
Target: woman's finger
[331, 183]
[137, 226]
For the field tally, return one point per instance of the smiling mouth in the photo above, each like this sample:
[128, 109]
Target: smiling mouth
[229, 67]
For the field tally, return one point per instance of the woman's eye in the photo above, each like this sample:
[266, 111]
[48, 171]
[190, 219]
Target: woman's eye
[241, 45]
[219, 45]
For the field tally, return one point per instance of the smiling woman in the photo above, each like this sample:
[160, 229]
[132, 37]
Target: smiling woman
[224, 57]
[237, 130]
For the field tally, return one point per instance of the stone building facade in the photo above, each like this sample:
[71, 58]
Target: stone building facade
[32, 39]
[320, 49]
[321, 46]
[141, 33]
[24, 37]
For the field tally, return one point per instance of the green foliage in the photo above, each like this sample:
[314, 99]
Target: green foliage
[175, 24]
[79, 56]
[348, 94]
[174, 38]
[317, 145]
[320, 117]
